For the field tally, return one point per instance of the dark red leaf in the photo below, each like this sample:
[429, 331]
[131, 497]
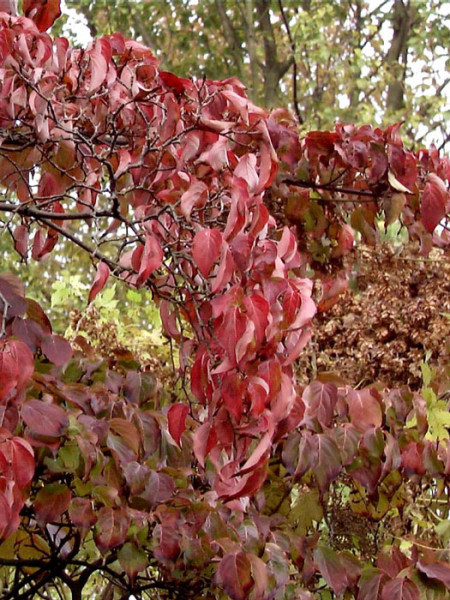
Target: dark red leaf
[111, 528]
[371, 584]
[400, 589]
[437, 570]
[21, 240]
[81, 512]
[234, 574]
[320, 400]
[56, 349]
[48, 420]
[331, 568]
[159, 488]
[51, 502]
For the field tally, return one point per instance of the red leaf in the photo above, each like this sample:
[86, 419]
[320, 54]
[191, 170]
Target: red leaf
[177, 84]
[24, 359]
[230, 330]
[259, 575]
[232, 391]
[101, 277]
[225, 271]
[36, 314]
[176, 418]
[9, 374]
[151, 259]
[234, 574]
[51, 502]
[258, 311]
[48, 420]
[56, 349]
[43, 12]
[206, 249]
[5, 517]
[205, 438]
[434, 199]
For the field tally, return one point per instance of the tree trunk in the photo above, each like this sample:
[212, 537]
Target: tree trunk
[396, 58]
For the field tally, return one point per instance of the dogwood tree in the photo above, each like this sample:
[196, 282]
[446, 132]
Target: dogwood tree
[238, 481]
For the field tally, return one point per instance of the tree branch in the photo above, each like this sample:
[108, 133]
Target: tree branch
[294, 64]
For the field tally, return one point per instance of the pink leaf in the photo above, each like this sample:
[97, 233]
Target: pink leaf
[176, 417]
[101, 277]
[206, 249]
[246, 169]
[98, 66]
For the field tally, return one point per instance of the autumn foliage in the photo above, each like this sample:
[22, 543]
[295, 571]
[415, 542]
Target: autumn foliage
[246, 483]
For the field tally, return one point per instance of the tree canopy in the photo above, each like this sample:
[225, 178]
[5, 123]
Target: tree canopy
[232, 478]
[358, 61]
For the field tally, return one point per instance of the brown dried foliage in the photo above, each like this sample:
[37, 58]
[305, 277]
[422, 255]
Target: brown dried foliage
[383, 332]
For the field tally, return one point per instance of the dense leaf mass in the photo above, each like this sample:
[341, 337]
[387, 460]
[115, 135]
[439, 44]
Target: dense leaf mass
[219, 209]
